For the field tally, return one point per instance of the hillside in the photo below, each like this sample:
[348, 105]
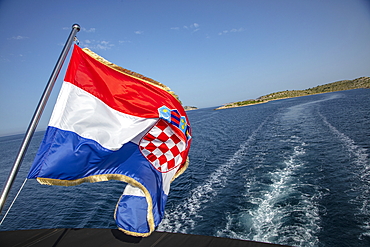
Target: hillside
[362, 82]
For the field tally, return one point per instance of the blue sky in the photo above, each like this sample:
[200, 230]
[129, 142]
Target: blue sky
[209, 52]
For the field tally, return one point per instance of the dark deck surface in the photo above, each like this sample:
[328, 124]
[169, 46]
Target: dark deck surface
[112, 237]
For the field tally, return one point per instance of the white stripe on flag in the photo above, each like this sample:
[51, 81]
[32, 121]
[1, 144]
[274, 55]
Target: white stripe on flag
[78, 111]
[131, 190]
[167, 177]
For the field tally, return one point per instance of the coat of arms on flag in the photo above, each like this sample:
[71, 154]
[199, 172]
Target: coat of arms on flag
[110, 123]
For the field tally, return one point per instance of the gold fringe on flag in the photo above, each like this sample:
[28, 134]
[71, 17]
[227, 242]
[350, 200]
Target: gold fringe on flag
[107, 177]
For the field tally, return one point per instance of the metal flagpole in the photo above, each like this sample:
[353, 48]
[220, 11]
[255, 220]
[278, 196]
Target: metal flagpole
[36, 116]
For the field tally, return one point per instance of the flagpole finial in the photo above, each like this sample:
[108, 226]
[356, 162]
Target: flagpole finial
[76, 26]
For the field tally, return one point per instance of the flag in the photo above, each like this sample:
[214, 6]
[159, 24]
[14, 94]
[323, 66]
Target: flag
[112, 124]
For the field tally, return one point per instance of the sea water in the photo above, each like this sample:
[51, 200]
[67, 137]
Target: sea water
[293, 171]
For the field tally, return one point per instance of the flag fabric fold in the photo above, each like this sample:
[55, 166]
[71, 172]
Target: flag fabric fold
[112, 124]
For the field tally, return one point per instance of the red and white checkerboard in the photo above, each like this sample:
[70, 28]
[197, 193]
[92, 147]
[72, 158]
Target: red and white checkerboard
[163, 147]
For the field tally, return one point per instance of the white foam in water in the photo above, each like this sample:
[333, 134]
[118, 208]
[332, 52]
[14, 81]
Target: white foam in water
[296, 223]
[267, 223]
[182, 217]
[361, 160]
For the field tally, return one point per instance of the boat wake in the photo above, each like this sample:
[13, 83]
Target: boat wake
[280, 212]
[184, 216]
[282, 199]
[361, 173]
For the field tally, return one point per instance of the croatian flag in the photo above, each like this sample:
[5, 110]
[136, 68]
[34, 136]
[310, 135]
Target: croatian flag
[109, 123]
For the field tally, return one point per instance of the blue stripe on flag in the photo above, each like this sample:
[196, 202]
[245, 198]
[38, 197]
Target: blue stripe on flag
[65, 155]
[133, 209]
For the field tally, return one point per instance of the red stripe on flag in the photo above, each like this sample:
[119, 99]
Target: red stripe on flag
[119, 91]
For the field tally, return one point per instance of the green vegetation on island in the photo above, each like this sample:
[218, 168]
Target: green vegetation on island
[362, 82]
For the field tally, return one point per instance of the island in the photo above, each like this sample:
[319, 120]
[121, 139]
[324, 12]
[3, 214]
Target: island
[189, 108]
[362, 82]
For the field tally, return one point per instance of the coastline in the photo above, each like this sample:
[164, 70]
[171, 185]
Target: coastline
[362, 82]
[256, 103]
[234, 105]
